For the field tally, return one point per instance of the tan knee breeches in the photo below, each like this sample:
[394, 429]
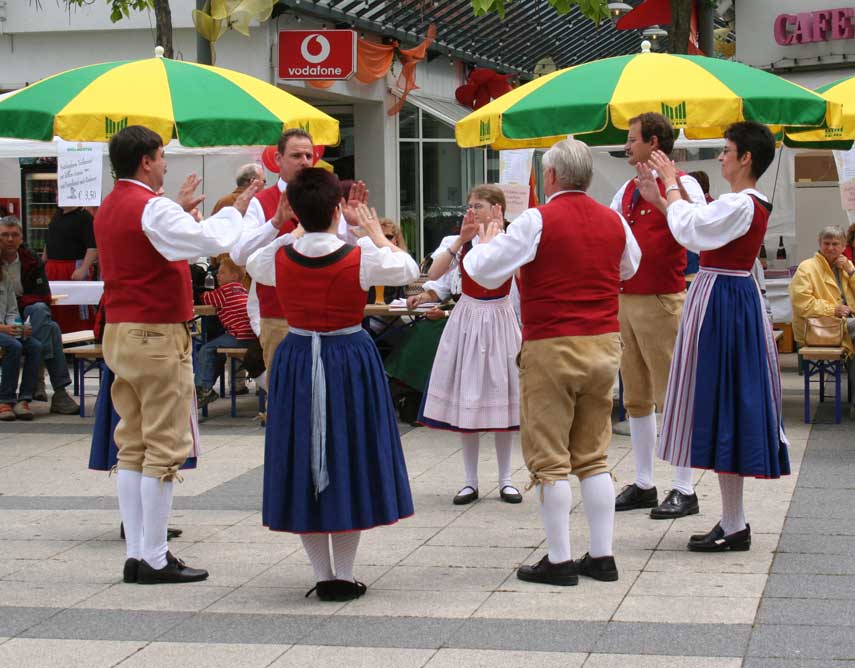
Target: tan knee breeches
[273, 330]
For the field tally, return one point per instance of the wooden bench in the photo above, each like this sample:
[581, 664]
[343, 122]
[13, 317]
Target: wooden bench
[816, 361]
[76, 338]
[235, 357]
[86, 358]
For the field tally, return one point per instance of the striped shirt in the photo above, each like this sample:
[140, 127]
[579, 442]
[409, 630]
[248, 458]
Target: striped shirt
[230, 302]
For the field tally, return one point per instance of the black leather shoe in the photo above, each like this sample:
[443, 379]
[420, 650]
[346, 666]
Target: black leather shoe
[171, 532]
[175, 572]
[675, 505]
[463, 497]
[599, 568]
[132, 567]
[346, 590]
[324, 590]
[632, 497]
[510, 494]
[716, 541]
[563, 574]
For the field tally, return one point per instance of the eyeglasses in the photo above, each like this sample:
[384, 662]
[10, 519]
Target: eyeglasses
[477, 206]
[10, 235]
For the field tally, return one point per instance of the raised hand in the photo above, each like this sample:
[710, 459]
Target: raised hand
[187, 197]
[469, 228]
[497, 215]
[648, 186]
[358, 195]
[284, 212]
[664, 166]
[489, 232]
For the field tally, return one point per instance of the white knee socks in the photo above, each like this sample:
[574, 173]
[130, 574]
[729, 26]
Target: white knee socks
[504, 440]
[555, 515]
[317, 546]
[732, 509]
[157, 504]
[130, 508]
[470, 458]
[344, 547]
[683, 480]
[642, 433]
[598, 497]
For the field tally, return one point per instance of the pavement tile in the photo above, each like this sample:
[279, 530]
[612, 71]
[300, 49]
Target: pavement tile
[205, 655]
[683, 561]
[83, 624]
[819, 526]
[49, 653]
[824, 545]
[728, 585]
[441, 604]
[255, 553]
[466, 557]
[34, 549]
[802, 642]
[229, 628]
[752, 662]
[348, 631]
[583, 603]
[528, 635]
[807, 612]
[59, 570]
[274, 601]
[688, 609]
[585, 587]
[456, 658]
[14, 620]
[294, 574]
[46, 594]
[713, 640]
[189, 597]
[430, 578]
[301, 656]
[455, 536]
[784, 585]
[658, 661]
[811, 564]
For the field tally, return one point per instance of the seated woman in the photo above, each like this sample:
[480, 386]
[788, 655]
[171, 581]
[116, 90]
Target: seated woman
[824, 285]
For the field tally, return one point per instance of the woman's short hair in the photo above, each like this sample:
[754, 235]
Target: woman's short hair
[391, 227]
[488, 193]
[572, 163]
[755, 138]
[831, 232]
[850, 235]
[314, 194]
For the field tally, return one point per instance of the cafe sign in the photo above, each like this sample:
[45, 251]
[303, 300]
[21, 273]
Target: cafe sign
[818, 26]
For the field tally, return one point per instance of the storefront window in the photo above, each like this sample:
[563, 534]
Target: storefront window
[341, 156]
[409, 182]
[408, 122]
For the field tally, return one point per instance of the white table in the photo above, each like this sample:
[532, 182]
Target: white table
[78, 292]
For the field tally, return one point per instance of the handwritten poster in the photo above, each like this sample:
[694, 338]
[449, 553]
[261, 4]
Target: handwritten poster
[516, 199]
[515, 165]
[78, 173]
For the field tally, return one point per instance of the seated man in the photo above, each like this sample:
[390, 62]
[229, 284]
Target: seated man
[824, 285]
[29, 282]
[230, 301]
[15, 339]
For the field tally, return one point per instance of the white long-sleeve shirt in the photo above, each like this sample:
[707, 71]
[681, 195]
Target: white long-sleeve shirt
[703, 228]
[176, 235]
[378, 266]
[491, 264]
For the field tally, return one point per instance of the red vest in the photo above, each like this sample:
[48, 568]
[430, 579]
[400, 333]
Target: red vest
[323, 293]
[740, 253]
[268, 303]
[663, 261]
[140, 285]
[571, 287]
[472, 289]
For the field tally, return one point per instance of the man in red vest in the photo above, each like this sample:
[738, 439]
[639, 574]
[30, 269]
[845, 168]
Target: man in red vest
[572, 254]
[145, 242]
[650, 306]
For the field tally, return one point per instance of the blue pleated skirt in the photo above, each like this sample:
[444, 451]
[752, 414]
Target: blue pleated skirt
[723, 405]
[368, 477]
[103, 451]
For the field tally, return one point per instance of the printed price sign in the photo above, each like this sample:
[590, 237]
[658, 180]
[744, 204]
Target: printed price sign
[78, 173]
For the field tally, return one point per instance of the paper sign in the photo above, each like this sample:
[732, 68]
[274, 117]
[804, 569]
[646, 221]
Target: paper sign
[847, 195]
[516, 199]
[515, 165]
[78, 173]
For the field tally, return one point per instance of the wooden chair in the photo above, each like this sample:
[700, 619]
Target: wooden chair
[86, 358]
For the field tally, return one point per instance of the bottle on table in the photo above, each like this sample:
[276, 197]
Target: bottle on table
[210, 283]
[781, 255]
[762, 257]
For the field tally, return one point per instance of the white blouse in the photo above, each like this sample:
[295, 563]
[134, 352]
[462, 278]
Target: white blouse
[703, 228]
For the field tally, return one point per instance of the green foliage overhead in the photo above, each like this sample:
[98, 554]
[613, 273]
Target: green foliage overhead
[119, 9]
[596, 10]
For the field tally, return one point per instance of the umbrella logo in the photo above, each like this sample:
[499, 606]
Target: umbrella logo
[111, 127]
[677, 113]
[322, 55]
[484, 133]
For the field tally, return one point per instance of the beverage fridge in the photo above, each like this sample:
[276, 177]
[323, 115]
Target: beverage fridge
[38, 202]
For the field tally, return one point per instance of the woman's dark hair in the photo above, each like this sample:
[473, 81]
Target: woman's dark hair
[314, 194]
[127, 148]
[756, 139]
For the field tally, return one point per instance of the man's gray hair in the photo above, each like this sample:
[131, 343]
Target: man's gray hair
[11, 221]
[831, 232]
[572, 163]
[246, 173]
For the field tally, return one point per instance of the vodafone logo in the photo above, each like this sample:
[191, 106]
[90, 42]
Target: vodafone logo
[317, 54]
[322, 55]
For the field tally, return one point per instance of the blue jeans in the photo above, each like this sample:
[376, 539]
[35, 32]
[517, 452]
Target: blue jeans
[209, 365]
[48, 333]
[11, 366]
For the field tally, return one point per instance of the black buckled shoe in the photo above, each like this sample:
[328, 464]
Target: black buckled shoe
[563, 574]
[675, 505]
[632, 497]
[324, 590]
[599, 568]
[716, 541]
[463, 497]
[175, 572]
[510, 494]
[131, 569]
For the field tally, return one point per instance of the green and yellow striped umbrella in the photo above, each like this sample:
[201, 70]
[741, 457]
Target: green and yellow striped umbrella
[838, 137]
[594, 102]
[199, 105]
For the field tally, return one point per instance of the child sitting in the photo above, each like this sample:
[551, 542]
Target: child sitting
[230, 301]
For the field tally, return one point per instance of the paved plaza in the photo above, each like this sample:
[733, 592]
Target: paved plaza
[442, 585]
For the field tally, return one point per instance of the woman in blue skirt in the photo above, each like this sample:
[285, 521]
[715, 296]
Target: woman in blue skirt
[333, 462]
[723, 404]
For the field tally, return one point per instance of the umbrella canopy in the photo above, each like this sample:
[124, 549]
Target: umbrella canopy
[594, 101]
[838, 137]
[199, 105]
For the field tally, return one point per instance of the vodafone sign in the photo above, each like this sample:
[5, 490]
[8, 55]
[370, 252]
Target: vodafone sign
[317, 54]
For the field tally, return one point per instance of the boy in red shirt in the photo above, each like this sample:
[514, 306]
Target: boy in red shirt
[230, 301]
